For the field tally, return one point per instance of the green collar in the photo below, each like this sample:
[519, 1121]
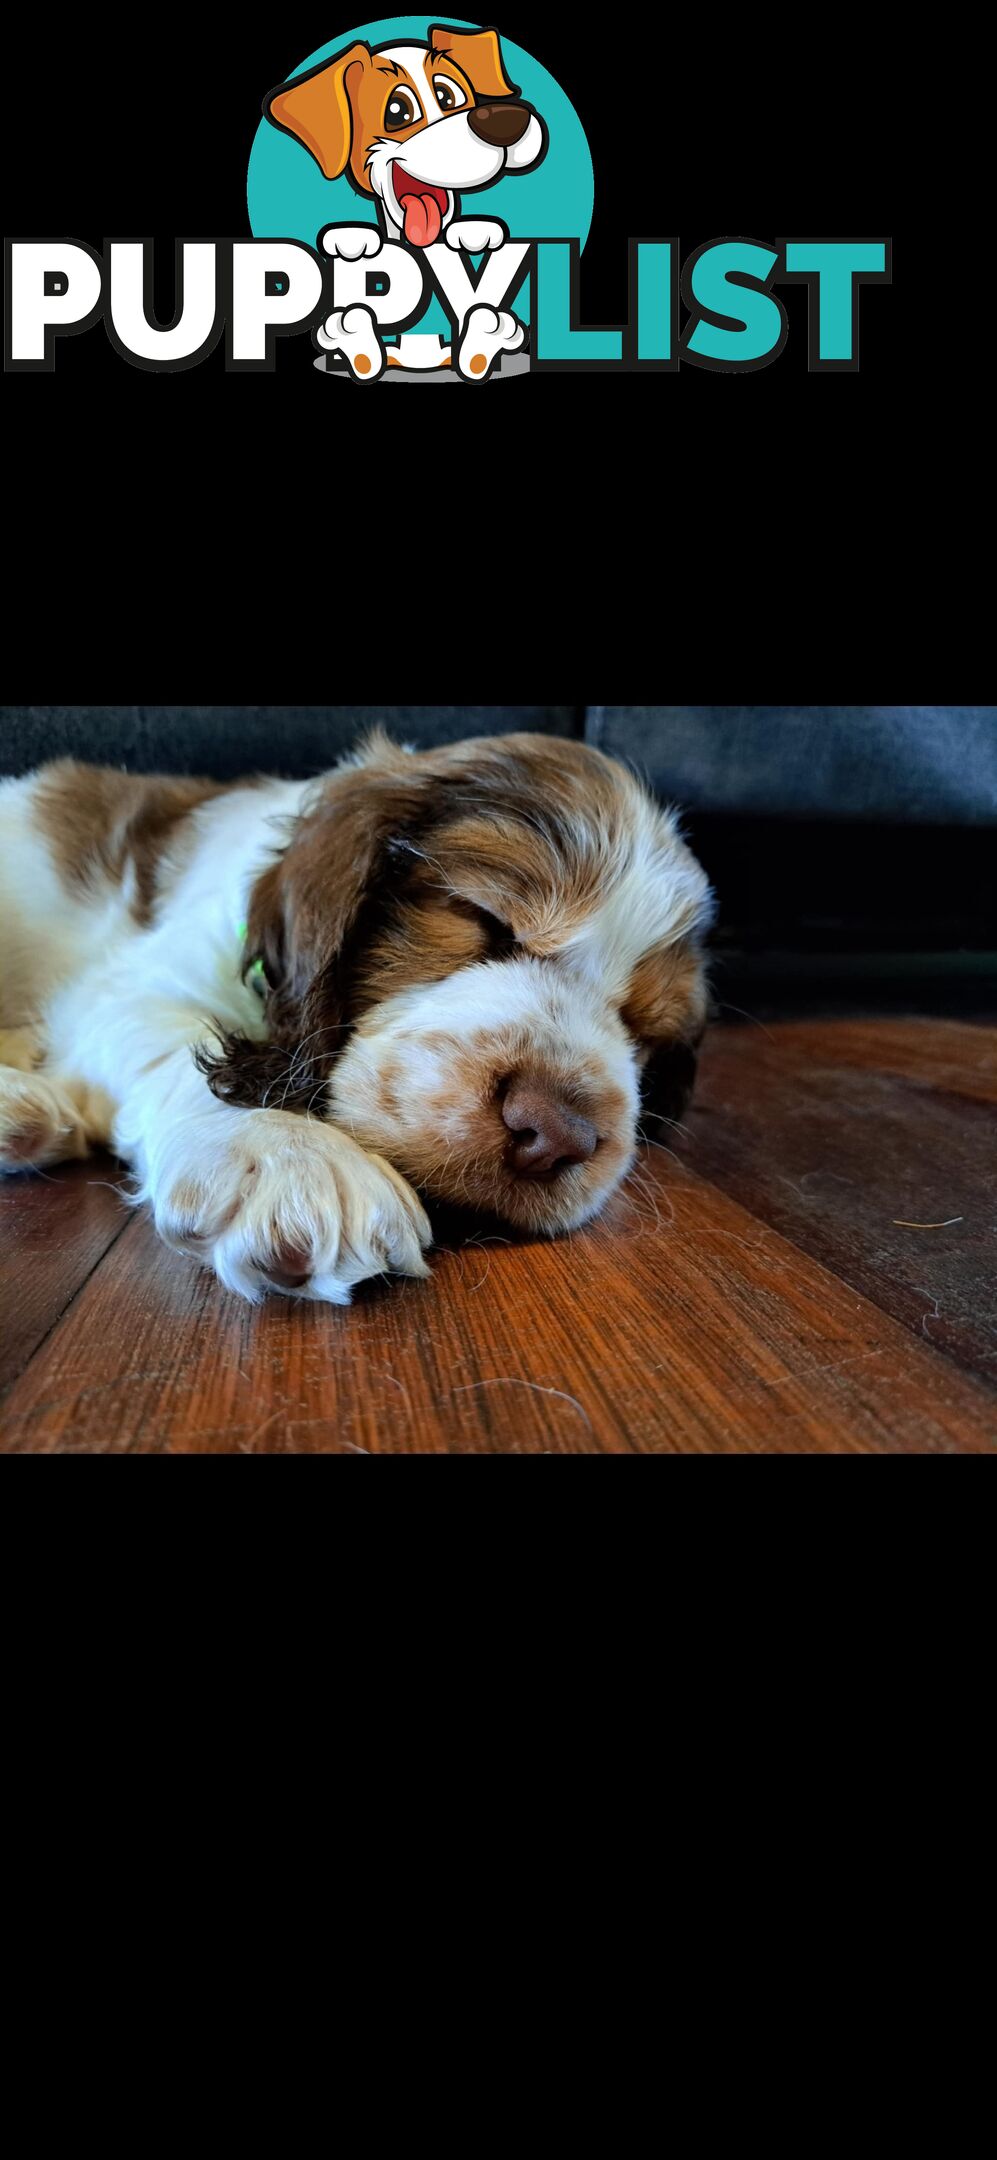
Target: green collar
[256, 974]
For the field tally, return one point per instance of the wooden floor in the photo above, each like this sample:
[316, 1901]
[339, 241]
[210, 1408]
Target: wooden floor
[811, 1266]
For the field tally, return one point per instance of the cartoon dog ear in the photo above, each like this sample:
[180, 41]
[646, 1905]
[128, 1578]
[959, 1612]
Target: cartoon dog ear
[479, 54]
[317, 108]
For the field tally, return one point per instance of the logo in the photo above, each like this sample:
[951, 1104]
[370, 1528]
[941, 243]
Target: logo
[419, 200]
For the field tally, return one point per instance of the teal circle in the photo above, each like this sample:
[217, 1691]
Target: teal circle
[290, 199]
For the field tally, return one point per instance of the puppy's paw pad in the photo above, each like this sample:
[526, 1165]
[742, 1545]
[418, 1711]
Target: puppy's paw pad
[488, 332]
[353, 333]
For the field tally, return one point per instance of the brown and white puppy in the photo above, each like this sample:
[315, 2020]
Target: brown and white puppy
[290, 1005]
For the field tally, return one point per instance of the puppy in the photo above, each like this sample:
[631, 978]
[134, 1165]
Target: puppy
[415, 126]
[293, 1006]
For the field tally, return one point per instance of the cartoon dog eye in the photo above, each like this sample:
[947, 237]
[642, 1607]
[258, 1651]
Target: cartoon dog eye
[402, 108]
[449, 95]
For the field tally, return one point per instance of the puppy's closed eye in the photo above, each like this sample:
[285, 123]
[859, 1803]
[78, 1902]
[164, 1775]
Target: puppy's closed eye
[501, 939]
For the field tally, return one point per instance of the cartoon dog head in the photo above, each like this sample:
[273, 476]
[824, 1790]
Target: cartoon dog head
[413, 125]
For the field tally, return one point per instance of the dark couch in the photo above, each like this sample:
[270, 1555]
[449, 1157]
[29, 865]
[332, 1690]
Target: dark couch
[226, 740]
[897, 762]
[930, 762]
[841, 827]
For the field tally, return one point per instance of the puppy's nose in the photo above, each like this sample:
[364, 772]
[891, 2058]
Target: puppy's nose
[546, 1134]
[499, 125]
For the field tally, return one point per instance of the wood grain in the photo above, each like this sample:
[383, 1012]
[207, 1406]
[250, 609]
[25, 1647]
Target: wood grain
[845, 1135]
[54, 1229]
[679, 1322]
[749, 1291]
[957, 1055]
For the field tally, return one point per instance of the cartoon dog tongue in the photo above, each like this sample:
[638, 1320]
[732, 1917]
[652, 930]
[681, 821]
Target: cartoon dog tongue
[423, 221]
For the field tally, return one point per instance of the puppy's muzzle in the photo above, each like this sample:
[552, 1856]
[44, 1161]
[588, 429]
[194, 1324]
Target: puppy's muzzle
[499, 125]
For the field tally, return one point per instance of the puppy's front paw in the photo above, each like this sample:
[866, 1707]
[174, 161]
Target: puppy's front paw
[353, 332]
[292, 1205]
[352, 242]
[476, 235]
[39, 1123]
[488, 332]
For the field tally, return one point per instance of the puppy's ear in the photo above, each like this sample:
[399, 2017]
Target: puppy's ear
[317, 108]
[479, 54]
[305, 927]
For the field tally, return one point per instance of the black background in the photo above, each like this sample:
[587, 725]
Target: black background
[775, 536]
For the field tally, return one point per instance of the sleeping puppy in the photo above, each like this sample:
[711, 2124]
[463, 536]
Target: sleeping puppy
[292, 1006]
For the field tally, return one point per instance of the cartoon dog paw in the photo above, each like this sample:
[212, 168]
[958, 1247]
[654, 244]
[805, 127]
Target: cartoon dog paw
[353, 332]
[352, 242]
[475, 235]
[487, 333]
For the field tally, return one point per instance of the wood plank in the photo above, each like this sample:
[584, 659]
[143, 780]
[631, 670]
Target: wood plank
[959, 1056]
[844, 1134]
[677, 1322]
[54, 1228]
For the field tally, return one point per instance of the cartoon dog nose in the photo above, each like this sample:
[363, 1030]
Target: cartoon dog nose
[499, 125]
[546, 1134]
